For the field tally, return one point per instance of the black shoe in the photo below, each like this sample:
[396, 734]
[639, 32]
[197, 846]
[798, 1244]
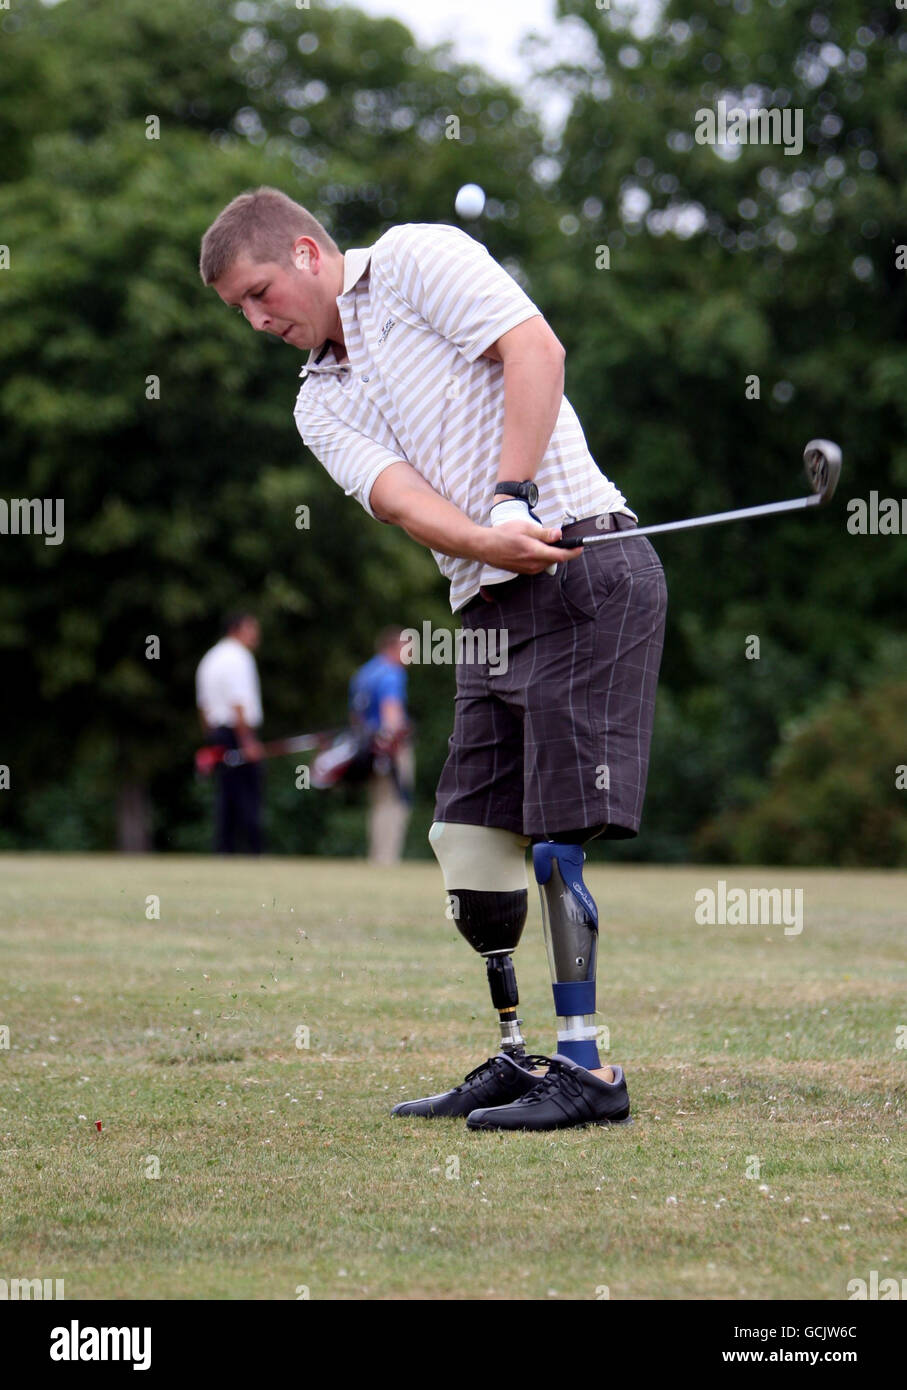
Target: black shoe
[568, 1097]
[496, 1082]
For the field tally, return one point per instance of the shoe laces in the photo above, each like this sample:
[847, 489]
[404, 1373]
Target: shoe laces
[559, 1078]
[496, 1064]
[486, 1068]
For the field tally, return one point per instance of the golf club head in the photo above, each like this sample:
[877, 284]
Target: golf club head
[822, 461]
[208, 758]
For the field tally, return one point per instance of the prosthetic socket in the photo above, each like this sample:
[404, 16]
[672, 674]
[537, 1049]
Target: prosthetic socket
[487, 897]
[570, 923]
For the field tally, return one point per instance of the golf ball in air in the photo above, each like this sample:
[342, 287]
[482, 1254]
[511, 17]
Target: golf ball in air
[470, 200]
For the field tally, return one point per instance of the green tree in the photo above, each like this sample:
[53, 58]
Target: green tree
[700, 269]
[128, 390]
[836, 794]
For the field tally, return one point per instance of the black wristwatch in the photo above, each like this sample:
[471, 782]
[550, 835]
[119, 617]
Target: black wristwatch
[526, 492]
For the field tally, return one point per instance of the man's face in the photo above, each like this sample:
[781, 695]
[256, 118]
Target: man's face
[296, 303]
[249, 633]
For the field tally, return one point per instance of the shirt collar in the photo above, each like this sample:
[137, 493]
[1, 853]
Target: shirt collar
[355, 263]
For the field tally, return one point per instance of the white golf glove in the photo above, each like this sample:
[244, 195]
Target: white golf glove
[515, 510]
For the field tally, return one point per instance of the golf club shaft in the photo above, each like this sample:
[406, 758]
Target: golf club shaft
[301, 744]
[691, 522]
[234, 757]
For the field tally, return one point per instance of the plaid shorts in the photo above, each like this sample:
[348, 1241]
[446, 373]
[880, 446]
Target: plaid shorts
[557, 737]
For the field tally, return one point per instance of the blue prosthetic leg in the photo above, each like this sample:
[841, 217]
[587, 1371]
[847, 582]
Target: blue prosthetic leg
[570, 923]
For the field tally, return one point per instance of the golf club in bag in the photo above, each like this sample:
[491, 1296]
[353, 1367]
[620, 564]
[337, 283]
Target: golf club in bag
[345, 755]
[215, 754]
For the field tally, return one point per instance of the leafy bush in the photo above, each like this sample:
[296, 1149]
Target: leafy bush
[837, 793]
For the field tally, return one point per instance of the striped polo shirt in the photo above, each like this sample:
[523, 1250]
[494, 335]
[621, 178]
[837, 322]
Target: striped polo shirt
[417, 310]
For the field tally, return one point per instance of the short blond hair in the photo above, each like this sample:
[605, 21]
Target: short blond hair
[263, 225]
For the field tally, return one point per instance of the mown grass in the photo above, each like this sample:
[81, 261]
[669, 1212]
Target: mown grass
[280, 1167]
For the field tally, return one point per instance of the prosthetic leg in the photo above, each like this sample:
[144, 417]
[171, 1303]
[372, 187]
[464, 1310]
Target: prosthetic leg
[485, 876]
[570, 924]
[487, 896]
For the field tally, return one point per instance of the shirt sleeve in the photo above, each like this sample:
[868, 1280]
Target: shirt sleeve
[453, 283]
[391, 685]
[352, 459]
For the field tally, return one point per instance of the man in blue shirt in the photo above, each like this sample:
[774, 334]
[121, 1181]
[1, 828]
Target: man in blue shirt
[378, 706]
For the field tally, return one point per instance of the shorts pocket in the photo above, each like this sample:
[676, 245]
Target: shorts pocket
[588, 582]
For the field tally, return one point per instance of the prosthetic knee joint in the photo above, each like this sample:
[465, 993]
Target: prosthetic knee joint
[570, 923]
[487, 897]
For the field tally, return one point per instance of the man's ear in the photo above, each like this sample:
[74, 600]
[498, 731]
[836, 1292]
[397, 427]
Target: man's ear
[306, 254]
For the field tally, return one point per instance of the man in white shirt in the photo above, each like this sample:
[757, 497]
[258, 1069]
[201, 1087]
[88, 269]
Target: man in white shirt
[228, 696]
[433, 393]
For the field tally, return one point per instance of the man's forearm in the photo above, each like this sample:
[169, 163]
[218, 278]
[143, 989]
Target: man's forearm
[392, 715]
[437, 523]
[242, 730]
[533, 391]
[401, 495]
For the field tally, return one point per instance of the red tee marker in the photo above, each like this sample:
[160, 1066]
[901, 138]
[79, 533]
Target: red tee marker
[97, 1125]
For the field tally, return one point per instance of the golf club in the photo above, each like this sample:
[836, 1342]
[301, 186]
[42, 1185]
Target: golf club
[211, 756]
[821, 461]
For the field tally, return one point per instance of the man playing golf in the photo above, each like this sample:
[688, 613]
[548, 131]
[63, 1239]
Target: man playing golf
[433, 394]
